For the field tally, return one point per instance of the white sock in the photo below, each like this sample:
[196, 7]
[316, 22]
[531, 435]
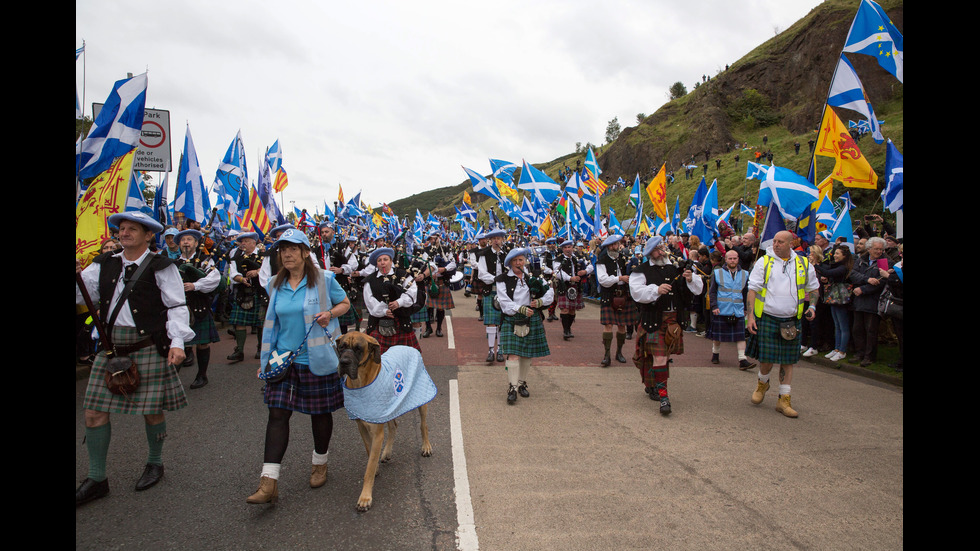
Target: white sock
[320, 459]
[513, 370]
[784, 390]
[715, 347]
[491, 336]
[271, 470]
[418, 334]
[764, 378]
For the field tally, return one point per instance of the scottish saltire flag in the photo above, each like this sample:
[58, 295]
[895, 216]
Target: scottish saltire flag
[503, 170]
[826, 213]
[621, 181]
[482, 185]
[872, 33]
[231, 178]
[190, 195]
[894, 165]
[116, 131]
[707, 215]
[592, 172]
[274, 157]
[676, 224]
[528, 212]
[724, 216]
[136, 200]
[538, 183]
[755, 171]
[847, 91]
[842, 228]
[694, 211]
[806, 225]
[160, 211]
[467, 212]
[614, 226]
[846, 201]
[634, 200]
[790, 192]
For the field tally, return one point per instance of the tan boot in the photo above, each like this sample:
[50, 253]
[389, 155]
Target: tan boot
[319, 476]
[783, 406]
[760, 392]
[268, 492]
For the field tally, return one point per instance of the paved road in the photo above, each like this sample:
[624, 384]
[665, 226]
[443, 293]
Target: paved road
[586, 462]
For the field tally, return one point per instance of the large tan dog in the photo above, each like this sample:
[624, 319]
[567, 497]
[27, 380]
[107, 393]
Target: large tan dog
[360, 362]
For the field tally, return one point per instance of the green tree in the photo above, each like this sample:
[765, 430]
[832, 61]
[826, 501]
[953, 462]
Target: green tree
[612, 130]
[677, 90]
[640, 117]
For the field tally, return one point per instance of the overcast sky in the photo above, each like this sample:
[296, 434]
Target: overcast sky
[390, 98]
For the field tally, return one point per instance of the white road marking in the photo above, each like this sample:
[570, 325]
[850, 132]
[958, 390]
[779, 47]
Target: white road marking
[449, 332]
[466, 539]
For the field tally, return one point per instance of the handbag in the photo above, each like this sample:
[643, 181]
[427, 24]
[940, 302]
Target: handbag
[788, 330]
[889, 306]
[837, 293]
[280, 363]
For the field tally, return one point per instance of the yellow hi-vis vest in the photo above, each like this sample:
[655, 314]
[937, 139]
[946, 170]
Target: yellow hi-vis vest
[802, 271]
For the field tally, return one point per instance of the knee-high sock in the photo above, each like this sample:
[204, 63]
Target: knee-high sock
[491, 335]
[428, 321]
[203, 359]
[155, 435]
[524, 364]
[606, 340]
[440, 316]
[240, 335]
[97, 444]
[620, 341]
[513, 370]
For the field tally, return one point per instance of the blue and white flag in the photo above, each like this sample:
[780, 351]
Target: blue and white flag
[634, 199]
[190, 196]
[847, 91]
[843, 228]
[826, 213]
[894, 165]
[116, 131]
[467, 212]
[724, 216]
[872, 33]
[136, 199]
[503, 170]
[543, 187]
[160, 211]
[274, 157]
[746, 210]
[707, 215]
[231, 179]
[774, 224]
[694, 211]
[755, 171]
[482, 185]
[614, 226]
[788, 191]
[528, 213]
[846, 200]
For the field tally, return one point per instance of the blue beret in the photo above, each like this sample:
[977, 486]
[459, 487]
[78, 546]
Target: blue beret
[195, 233]
[150, 224]
[652, 243]
[612, 239]
[516, 253]
[373, 259]
[247, 235]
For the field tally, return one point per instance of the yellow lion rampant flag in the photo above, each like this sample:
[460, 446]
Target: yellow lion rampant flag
[105, 196]
[851, 167]
[657, 190]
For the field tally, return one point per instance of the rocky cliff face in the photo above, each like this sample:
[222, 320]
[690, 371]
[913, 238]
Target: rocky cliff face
[792, 72]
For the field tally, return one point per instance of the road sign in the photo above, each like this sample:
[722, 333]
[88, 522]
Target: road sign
[154, 147]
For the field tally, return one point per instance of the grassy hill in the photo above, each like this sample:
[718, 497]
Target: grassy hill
[777, 90]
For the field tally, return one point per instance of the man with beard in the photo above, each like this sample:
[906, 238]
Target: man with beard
[663, 298]
[200, 279]
[247, 308]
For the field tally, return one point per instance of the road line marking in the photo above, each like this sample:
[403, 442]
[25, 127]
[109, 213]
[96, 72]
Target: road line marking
[466, 539]
[449, 330]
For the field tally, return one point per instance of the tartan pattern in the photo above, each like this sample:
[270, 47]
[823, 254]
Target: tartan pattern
[491, 316]
[398, 339]
[205, 332]
[351, 317]
[534, 345]
[159, 389]
[442, 301]
[722, 331]
[653, 343]
[247, 318]
[767, 346]
[304, 392]
[565, 304]
[421, 316]
[629, 315]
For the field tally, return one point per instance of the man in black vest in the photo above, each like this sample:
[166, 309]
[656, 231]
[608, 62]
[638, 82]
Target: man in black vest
[663, 298]
[617, 308]
[150, 326]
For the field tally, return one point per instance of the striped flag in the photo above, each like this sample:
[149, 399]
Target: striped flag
[256, 213]
[281, 181]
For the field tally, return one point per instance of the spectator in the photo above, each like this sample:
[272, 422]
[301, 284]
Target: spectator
[837, 295]
[868, 284]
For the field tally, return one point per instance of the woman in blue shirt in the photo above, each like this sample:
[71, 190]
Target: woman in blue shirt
[304, 304]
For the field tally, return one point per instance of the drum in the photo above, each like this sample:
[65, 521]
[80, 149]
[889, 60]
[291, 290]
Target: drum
[457, 282]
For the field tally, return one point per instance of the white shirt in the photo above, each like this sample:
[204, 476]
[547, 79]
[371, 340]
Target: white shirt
[781, 298]
[171, 292]
[379, 309]
[210, 281]
[485, 275]
[648, 294]
[522, 295]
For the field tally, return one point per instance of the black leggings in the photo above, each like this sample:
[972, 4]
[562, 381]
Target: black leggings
[277, 433]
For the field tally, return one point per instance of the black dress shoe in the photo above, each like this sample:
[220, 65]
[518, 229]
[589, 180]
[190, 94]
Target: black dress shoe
[439, 333]
[665, 406]
[151, 475]
[236, 357]
[512, 395]
[566, 335]
[199, 382]
[490, 357]
[620, 358]
[91, 490]
[428, 333]
[189, 360]
[714, 358]
[500, 356]
[522, 390]
[605, 361]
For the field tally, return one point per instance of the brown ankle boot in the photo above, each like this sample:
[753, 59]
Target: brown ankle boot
[268, 492]
[319, 476]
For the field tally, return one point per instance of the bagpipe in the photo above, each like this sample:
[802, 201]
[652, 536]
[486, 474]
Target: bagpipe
[577, 262]
[250, 292]
[191, 271]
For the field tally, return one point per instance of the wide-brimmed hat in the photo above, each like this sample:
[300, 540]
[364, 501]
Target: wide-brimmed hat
[147, 222]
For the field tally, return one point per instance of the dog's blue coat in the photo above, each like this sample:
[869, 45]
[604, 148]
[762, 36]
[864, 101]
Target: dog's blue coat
[402, 385]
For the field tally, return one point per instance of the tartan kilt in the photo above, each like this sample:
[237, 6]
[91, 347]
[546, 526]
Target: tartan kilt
[491, 316]
[422, 315]
[442, 301]
[722, 331]
[768, 346]
[652, 344]
[565, 304]
[534, 345]
[159, 390]
[629, 315]
[205, 331]
[351, 317]
[305, 392]
[398, 339]
[247, 318]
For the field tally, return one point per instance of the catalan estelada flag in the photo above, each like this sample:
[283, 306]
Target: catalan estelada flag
[105, 196]
[256, 213]
[281, 181]
[340, 197]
